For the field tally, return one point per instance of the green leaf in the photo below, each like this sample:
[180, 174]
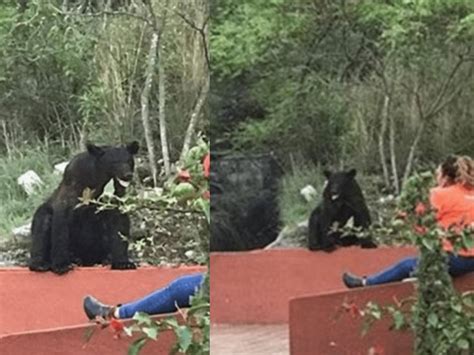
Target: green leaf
[467, 240]
[457, 307]
[151, 332]
[128, 331]
[109, 188]
[137, 346]
[184, 337]
[184, 190]
[427, 244]
[377, 314]
[398, 319]
[463, 344]
[142, 318]
[172, 322]
[433, 319]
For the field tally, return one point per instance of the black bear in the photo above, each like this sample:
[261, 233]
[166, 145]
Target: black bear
[342, 200]
[62, 233]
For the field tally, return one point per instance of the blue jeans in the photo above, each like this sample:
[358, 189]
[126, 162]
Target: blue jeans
[166, 299]
[457, 265]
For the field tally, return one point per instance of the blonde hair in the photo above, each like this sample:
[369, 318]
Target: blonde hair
[465, 171]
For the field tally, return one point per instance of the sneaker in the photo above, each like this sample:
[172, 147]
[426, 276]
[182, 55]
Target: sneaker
[94, 308]
[352, 281]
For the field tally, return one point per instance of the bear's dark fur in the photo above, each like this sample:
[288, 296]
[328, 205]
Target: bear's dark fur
[62, 233]
[244, 204]
[342, 199]
[243, 222]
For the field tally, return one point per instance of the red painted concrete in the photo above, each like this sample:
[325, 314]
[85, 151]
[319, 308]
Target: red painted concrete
[319, 325]
[71, 341]
[255, 287]
[38, 301]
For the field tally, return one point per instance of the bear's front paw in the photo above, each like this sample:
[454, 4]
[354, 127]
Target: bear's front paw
[368, 244]
[61, 269]
[123, 265]
[329, 248]
[39, 266]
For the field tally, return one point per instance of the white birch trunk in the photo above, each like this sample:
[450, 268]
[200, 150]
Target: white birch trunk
[145, 107]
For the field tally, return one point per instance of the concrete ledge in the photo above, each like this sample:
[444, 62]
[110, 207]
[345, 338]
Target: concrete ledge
[319, 324]
[32, 301]
[255, 287]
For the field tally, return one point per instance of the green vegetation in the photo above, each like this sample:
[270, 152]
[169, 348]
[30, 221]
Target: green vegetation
[293, 207]
[16, 208]
[382, 86]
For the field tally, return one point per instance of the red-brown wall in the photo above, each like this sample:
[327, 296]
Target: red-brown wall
[255, 287]
[320, 325]
[41, 313]
[71, 341]
[38, 301]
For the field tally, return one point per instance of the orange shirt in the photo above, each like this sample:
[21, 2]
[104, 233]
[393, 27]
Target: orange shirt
[454, 207]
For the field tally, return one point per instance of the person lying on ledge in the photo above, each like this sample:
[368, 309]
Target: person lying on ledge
[164, 300]
[453, 200]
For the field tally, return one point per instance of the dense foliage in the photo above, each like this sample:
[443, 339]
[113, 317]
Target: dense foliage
[71, 73]
[370, 84]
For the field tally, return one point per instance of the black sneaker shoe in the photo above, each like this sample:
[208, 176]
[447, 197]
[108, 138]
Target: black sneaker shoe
[94, 308]
[352, 281]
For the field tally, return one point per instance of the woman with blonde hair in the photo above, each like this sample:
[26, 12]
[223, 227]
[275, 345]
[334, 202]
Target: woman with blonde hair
[453, 200]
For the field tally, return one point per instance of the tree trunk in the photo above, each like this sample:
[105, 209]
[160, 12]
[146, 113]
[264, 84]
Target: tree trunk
[393, 155]
[411, 154]
[6, 139]
[383, 130]
[194, 118]
[145, 107]
[65, 5]
[162, 112]
[83, 136]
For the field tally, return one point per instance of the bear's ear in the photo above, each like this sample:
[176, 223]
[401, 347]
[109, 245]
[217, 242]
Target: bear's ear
[327, 173]
[133, 147]
[352, 173]
[94, 150]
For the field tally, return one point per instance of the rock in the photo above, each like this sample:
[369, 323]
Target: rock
[190, 254]
[59, 168]
[386, 199]
[152, 193]
[30, 181]
[290, 237]
[309, 193]
[22, 231]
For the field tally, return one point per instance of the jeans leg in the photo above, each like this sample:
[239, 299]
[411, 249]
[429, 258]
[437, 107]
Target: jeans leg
[396, 272]
[459, 265]
[166, 299]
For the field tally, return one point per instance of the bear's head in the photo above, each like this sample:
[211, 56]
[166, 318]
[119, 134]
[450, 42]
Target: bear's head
[117, 162]
[340, 185]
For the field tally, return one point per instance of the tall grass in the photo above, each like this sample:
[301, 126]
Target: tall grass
[16, 207]
[293, 207]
